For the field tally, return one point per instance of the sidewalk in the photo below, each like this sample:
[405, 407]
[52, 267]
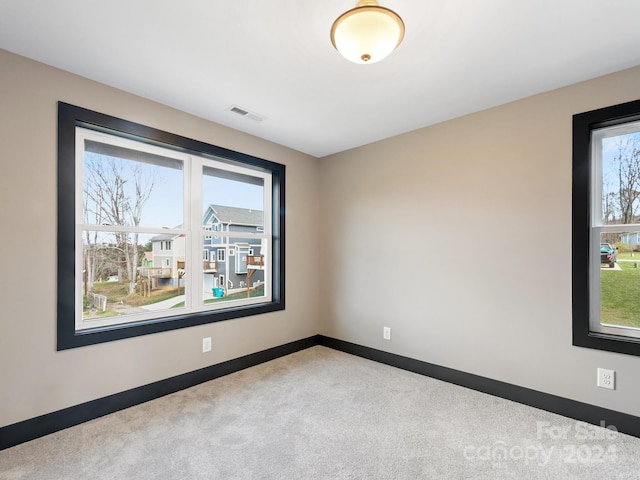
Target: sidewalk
[170, 302]
[164, 304]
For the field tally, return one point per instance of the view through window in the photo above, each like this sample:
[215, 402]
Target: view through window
[616, 229]
[164, 235]
[606, 229]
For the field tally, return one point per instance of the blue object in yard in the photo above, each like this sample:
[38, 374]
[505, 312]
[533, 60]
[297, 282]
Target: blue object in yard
[218, 292]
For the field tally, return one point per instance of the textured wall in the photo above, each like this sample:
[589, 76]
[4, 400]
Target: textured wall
[34, 378]
[477, 212]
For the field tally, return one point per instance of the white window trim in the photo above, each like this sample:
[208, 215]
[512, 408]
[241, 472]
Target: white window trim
[598, 227]
[192, 229]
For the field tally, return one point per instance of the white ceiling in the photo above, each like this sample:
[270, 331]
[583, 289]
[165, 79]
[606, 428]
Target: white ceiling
[275, 58]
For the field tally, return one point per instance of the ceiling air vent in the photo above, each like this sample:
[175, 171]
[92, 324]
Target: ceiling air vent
[239, 111]
[246, 113]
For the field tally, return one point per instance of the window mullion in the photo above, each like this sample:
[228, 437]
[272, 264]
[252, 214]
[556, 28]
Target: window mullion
[193, 199]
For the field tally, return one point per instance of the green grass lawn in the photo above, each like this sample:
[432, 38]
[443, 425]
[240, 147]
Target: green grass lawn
[256, 292]
[118, 293]
[620, 293]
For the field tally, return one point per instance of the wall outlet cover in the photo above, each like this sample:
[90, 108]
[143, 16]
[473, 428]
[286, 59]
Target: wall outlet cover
[606, 378]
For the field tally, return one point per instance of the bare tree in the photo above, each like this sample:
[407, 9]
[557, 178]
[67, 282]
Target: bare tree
[115, 192]
[609, 201]
[91, 261]
[627, 159]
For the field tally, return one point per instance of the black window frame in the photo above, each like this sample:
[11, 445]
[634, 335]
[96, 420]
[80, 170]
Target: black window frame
[70, 117]
[583, 126]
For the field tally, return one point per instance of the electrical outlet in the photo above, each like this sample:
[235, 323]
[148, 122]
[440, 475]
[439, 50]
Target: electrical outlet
[386, 333]
[606, 378]
[206, 344]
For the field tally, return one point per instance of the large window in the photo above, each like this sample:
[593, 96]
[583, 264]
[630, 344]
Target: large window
[136, 208]
[606, 229]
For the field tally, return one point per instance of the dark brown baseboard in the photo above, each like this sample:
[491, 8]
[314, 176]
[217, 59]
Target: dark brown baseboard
[33, 428]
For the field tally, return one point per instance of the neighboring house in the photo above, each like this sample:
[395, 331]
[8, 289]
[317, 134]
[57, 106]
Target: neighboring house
[632, 239]
[229, 253]
[224, 258]
[147, 260]
[166, 252]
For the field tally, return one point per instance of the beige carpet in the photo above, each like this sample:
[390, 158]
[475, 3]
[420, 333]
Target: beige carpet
[324, 414]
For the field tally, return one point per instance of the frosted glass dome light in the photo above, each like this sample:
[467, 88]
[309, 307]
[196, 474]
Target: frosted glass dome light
[367, 33]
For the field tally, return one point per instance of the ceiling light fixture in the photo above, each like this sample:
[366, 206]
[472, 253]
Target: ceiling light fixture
[367, 33]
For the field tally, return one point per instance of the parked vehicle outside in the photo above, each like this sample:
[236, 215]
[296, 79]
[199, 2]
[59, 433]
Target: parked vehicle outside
[608, 254]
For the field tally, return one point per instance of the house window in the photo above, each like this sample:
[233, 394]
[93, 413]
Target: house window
[241, 259]
[205, 255]
[221, 254]
[606, 224]
[221, 281]
[122, 186]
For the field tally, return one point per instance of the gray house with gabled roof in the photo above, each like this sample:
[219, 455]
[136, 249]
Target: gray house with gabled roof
[235, 216]
[224, 258]
[228, 252]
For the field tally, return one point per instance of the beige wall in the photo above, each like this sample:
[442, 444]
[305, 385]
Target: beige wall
[34, 378]
[458, 237]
